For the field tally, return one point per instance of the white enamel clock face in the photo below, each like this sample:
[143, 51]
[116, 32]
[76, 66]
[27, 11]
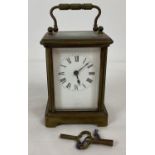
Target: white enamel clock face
[76, 72]
[76, 78]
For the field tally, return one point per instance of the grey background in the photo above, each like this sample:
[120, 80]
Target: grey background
[112, 19]
[44, 140]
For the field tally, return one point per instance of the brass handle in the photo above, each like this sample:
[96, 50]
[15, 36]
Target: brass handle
[74, 6]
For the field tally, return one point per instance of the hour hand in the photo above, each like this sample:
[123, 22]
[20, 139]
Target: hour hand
[76, 73]
[78, 81]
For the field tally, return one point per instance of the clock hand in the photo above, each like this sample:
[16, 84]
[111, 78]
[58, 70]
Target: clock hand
[78, 81]
[76, 73]
[83, 67]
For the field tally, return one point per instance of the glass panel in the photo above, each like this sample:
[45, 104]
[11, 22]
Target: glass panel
[76, 78]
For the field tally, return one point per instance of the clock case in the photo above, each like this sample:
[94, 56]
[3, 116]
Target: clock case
[71, 39]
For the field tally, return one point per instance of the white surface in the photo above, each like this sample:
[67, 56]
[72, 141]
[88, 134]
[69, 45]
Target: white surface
[44, 140]
[112, 19]
[83, 98]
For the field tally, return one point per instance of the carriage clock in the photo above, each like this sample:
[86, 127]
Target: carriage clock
[76, 72]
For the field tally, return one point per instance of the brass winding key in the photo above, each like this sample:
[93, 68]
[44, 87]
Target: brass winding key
[87, 140]
[80, 144]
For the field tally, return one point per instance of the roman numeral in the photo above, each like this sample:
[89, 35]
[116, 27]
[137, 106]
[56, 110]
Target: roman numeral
[69, 60]
[76, 58]
[68, 85]
[75, 87]
[89, 80]
[91, 73]
[84, 85]
[63, 80]
[62, 65]
[61, 73]
[84, 60]
[90, 65]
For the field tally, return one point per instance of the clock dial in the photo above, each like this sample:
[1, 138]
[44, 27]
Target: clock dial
[76, 73]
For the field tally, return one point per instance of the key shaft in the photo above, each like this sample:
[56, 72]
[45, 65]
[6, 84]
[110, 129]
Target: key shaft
[66, 136]
[107, 142]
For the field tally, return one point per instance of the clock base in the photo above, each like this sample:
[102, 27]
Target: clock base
[99, 118]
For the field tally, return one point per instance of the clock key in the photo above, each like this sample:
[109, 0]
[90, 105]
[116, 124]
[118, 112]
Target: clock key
[69, 137]
[81, 144]
[77, 138]
[88, 139]
[99, 140]
[107, 142]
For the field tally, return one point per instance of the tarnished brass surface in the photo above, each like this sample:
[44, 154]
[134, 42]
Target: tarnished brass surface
[87, 6]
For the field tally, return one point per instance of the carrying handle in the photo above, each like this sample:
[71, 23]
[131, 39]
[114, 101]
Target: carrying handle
[87, 6]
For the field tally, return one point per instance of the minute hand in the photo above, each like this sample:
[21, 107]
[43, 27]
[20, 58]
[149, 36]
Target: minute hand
[83, 67]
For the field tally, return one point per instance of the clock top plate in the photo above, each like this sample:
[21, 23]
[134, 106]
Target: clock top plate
[76, 39]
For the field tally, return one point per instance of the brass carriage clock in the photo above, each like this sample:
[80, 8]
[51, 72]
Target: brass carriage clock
[76, 72]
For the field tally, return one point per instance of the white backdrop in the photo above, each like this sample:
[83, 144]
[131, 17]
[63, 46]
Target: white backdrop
[44, 140]
[112, 19]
